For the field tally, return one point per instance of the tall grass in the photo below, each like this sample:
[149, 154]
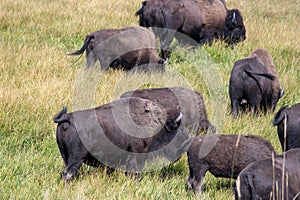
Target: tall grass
[37, 79]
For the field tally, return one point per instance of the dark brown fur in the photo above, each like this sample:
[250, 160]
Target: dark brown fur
[190, 102]
[106, 135]
[201, 20]
[223, 156]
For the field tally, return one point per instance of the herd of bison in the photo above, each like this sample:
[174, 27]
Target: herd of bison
[147, 124]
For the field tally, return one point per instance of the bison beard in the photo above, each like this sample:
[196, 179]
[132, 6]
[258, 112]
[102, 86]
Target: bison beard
[123, 135]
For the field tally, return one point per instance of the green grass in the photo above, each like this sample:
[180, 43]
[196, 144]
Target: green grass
[37, 78]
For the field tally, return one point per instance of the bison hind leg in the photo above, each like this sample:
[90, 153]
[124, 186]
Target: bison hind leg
[90, 60]
[235, 106]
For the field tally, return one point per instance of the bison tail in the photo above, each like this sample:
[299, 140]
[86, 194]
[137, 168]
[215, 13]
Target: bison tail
[61, 116]
[84, 46]
[269, 76]
[252, 75]
[279, 116]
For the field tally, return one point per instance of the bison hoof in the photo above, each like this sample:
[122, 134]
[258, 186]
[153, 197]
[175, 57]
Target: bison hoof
[67, 176]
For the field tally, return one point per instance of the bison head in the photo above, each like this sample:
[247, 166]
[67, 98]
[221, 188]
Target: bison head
[234, 30]
[147, 14]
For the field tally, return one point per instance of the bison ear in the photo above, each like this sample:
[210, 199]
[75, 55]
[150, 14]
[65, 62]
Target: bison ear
[279, 116]
[170, 125]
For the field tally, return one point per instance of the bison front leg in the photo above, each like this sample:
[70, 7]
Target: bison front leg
[166, 37]
[196, 177]
[194, 183]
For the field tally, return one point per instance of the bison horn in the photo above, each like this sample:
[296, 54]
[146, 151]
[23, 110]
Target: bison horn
[233, 17]
[178, 118]
[282, 92]
[165, 61]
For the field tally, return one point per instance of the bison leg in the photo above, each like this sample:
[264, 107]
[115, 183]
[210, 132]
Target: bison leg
[235, 106]
[166, 37]
[76, 156]
[194, 183]
[253, 108]
[273, 104]
[196, 178]
[90, 60]
[70, 171]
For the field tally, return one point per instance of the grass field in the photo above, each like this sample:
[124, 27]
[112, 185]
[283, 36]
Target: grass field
[37, 78]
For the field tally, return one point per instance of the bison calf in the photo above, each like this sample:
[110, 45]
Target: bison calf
[123, 135]
[254, 83]
[124, 48]
[273, 178]
[223, 156]
[288, 119]
[190, 102]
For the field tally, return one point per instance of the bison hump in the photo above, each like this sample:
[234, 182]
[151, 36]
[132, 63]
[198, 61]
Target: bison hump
[137, 117]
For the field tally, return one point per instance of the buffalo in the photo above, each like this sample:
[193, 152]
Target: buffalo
[254, 83]
[201, 20]
[223, 156]
[288, 119]
[121, 135]
[274, 178]
[190, 102]
[125, 48]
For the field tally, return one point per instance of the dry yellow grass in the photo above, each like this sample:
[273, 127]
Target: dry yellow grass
[38, 78]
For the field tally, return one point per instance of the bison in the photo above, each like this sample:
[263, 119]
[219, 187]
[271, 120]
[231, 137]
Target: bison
[125, 48]
[190, 102]
[288, 119]
[122, 135]
[201, 20]
[273, 178]
[223, 156]
[254, 83]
